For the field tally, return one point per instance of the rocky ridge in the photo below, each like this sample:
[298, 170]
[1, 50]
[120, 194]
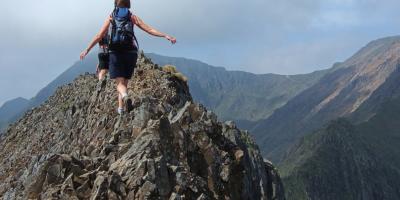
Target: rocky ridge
[75, 146]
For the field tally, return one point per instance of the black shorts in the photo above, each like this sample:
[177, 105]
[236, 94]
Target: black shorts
[122, 64]
[104, 61]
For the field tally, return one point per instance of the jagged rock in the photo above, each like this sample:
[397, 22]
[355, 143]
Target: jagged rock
[75, 146]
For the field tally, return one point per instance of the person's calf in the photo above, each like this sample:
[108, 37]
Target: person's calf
[102, 74]
[120, 102]
[121, 86]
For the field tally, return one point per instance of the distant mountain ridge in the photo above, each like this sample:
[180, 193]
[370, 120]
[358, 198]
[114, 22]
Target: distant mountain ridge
[17, 108]
[237, 95]
[12, 110]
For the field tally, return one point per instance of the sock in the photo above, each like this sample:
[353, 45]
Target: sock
[123, 95]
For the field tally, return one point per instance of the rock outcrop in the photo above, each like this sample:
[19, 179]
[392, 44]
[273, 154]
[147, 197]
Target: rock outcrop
[75, 146]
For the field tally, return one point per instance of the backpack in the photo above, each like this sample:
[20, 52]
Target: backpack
[121, 34]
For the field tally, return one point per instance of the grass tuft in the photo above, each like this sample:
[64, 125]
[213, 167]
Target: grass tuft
[172, 70]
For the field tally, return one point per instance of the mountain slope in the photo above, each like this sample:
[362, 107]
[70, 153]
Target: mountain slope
[236, 95]
[343, 161]
[17, 108]
[79, 68]
[75, 146]
[340, 93]
[12, 110]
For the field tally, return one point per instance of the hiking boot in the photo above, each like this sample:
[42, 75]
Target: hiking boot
[128, 104]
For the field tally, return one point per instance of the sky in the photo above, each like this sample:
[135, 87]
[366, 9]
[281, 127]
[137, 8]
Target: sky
[41, 39]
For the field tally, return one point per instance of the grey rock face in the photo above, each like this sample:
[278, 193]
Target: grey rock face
[75, 146]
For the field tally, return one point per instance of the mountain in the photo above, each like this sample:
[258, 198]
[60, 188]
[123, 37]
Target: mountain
[354, 89]
[347, 161]
[233, 95]
[86, 66]
[237, 95]
[75, 146]
[16, 108]
[17, 105]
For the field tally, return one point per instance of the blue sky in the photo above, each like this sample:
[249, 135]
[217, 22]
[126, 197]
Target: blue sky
[41, 39]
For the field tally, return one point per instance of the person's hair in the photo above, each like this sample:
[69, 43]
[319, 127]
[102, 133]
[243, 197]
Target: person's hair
[123, 3]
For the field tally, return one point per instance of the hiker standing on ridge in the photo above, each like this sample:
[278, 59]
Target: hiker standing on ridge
[122, 47]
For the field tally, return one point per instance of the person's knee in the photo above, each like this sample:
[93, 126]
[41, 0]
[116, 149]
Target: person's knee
[119, 80]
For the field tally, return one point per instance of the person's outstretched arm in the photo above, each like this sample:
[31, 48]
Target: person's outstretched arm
[97, 38]
[150, 30]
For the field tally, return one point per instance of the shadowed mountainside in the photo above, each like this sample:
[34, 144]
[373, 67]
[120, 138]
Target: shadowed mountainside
[236, 95]
[346, 161]
[12, 110]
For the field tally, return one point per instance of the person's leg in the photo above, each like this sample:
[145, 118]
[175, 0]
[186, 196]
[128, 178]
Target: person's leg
[120, 104]
[106, 71]
[101, 84]
[102, 74]
[97, 69]
[120, 89]
[121, 86]
[126, 81]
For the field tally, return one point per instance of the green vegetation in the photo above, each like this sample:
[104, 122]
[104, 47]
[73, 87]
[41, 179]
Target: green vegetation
[246, 138]
[175, 73]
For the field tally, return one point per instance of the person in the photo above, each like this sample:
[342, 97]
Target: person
[103, 56]
[123, 50]
[103, 64]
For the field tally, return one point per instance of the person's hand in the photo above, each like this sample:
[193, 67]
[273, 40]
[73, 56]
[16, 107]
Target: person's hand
[84, 54]
[171, 39]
